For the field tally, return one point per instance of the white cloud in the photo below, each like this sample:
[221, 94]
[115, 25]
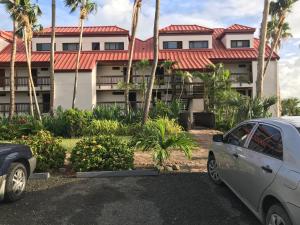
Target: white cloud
[294, 18]
[290, 78]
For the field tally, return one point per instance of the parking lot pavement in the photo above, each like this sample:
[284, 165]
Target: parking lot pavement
[183, 199]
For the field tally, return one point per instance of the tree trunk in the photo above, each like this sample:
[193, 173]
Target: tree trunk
[135, 19]
[155, 62]
[30, 80]
[77, 64]
[262, 48]
[275, 45]
[181, 89]
[52, 86]
[12, 73]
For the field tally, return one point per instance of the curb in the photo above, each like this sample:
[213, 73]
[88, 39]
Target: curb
[126, 173]
[39, 176]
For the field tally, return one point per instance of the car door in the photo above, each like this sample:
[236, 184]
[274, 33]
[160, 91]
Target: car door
[259, 164]
[233, 144]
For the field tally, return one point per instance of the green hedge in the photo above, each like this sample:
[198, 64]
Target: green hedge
[102, 153]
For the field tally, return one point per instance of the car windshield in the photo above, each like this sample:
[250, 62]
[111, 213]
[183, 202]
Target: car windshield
[298, 128]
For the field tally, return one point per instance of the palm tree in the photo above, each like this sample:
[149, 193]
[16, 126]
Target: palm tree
[262, 47]
[272, 32]
[86, 7]
[135, 18]
[52, 86]
[155, 62]
[291, 107]
[279, 11]
[142, 66]
[11, 7]
[26, 15]
[168, 66]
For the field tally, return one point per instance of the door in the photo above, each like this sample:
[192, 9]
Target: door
[34, 76]
[132, 100]
[2, 78]
[259, 164]
[46, 103]
[234, 143]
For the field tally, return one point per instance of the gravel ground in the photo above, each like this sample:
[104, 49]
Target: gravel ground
[180, 199]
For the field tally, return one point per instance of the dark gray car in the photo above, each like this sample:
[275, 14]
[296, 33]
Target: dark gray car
[259, 160]
[16, 165]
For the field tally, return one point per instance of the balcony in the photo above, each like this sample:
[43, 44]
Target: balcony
[112, 80]
[23, 108]
[21, 83]
[241, 78]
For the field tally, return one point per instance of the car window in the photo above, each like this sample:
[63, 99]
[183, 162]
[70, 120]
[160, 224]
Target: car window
[267, 140]
[239, 135]
[298, 128]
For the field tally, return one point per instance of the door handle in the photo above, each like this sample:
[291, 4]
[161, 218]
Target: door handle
[235, 155]
[267, 169]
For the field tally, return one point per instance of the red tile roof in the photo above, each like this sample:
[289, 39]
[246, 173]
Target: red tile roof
[185, 29]
[6, 35]
[186, 59]
[88, 30]
[237, 28]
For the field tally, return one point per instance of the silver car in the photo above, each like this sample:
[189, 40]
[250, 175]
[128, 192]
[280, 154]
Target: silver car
[259, 160]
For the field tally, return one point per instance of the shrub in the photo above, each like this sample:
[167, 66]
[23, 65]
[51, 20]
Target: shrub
[113, 112]
[47, 149]
[162, 109]
[100, 127]
[162, 136]
[68, 123]
[102, 153]
[19, 126]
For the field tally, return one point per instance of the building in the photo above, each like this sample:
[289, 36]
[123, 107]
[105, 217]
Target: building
[104, 59]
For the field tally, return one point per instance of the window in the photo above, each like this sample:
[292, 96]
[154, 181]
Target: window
[43, 46]
[172, 45]
[116, 68]
[239, 136]
[267, 140]
[70, 46]
[44, 69]
[114, 45]
[198, 44]
[298, 129]
[96, 46]
[240, 44]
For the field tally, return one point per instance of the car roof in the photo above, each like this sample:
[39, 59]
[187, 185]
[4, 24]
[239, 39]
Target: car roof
[292, 120]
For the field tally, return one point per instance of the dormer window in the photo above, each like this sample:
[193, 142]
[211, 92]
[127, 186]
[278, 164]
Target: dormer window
[114, 45]
[70, 46]
[96, 46]
[43, 46]
[198, 44]
[172, 44]
[240, 44]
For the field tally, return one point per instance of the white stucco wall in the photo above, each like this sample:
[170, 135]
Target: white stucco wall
[237, 37]
[185, 39]
[86, 90]
[3, 44]
[86, 45]
[21, 97]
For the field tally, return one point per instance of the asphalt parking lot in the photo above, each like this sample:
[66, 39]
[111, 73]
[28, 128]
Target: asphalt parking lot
[181, 199]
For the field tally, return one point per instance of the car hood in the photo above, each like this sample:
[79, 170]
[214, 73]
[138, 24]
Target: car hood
[9, 148]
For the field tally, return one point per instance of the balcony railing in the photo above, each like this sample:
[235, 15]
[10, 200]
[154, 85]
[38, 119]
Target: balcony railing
[21, 108]
[241, 77]
[23, 82]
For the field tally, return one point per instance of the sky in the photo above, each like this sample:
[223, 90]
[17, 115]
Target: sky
[209, 13]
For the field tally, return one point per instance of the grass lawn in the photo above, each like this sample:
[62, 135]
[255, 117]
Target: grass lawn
[69, 143]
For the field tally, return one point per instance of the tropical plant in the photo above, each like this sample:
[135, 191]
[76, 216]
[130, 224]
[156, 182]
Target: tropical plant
[215, 81]
[155, 62]
[26, 15]
[134, 22]
[168, 67]
[290, 107]
[11, 8]
[142, 66]
[162, 136]
[48, 151]
[261, 50]
[278, 27]
[102, 153]
[103, 127]
[52, 55]
[85, 7]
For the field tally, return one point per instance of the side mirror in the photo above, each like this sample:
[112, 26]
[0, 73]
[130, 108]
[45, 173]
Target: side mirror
[218, 138]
